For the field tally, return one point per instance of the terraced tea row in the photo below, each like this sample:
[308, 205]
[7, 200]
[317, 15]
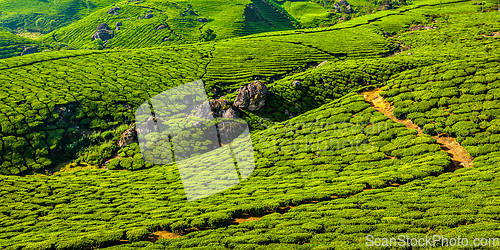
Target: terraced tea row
[45, 16]
[461, 203]
[93, 93]
[12, 45]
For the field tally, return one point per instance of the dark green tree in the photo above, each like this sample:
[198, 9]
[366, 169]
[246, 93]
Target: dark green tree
[98, 44]
[207, 35]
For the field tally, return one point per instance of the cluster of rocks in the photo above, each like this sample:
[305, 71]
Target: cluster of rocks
[190, 12]
[420, 27]
[161, 26]
[338, 6]
[217, 108]
[148, 15]
[252, 97]
[29, 50]
[103, 32]
[114, 11]
[118, 25]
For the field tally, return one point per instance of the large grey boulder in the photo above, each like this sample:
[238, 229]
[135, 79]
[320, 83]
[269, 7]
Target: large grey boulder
[128, 137]
[103, 32]
[29, 50]
[213, 109]
[252, 96]
[114, 11]
[118, 25]
[231, 113]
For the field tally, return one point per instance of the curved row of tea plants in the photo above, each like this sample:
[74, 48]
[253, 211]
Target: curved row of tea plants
[462, 203]
[12, 45]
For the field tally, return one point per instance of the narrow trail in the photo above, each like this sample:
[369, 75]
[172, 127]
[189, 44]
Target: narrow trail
[235, 220]
[459, 156]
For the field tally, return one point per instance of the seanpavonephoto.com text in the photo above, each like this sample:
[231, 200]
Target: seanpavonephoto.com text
[430, 241]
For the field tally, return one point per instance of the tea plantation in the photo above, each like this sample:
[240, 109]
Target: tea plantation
[12, 45]
[45, 16]
[331, 167]
[296, 163]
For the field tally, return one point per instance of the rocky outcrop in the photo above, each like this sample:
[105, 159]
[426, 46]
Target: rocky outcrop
[29, 50]
[103, 26]
[231, 113]
[148, 16]
[128, 137]
[203, 20]
[204, 111]
[296, 84]
[148, 127]
[161, 26]
[252, 96]
[190, 12]
[114, 11]
[118, 25]
[213, 109]
[103, 32]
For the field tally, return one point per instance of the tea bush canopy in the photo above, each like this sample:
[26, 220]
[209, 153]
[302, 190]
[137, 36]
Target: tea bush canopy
[331, 164]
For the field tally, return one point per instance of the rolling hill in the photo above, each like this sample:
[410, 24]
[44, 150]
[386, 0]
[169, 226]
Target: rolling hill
[384, 125]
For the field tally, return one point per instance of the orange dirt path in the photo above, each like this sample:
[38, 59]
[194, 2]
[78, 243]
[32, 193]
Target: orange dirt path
[162, 235]
[460, 157]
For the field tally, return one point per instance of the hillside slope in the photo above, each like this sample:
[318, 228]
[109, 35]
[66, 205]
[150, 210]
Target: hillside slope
[301, 167]
[34, 15]
[97, 92]
[156, 22]
[12, 45]
[330, 165]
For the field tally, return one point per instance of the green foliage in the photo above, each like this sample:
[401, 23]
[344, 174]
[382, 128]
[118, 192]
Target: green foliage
[12, 45]
[137, 234]
[465, 108]
[323, 159]
[207, 35]
[339, 159]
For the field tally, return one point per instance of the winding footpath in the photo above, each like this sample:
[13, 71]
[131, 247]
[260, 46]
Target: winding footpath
[459, 156]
